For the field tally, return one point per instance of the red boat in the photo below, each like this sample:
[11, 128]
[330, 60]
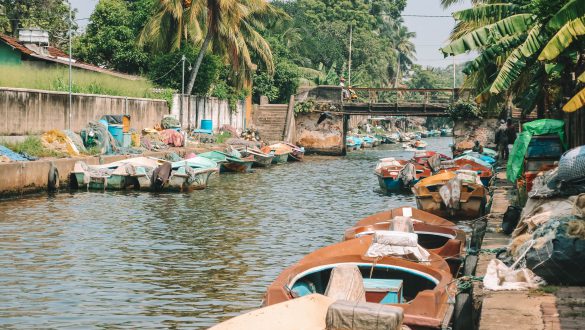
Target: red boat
[422, 157]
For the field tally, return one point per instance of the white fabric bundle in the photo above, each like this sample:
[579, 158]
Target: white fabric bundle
[396, 238]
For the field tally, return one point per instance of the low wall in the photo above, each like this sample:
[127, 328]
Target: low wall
[196, 108]
[326, 138]
[26, 112]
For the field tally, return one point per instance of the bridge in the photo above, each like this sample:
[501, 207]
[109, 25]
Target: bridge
[432, 102]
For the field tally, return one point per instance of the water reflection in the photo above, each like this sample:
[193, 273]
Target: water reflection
[139, 260]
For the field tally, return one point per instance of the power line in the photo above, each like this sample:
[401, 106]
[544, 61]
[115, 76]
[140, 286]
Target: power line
[426, 16]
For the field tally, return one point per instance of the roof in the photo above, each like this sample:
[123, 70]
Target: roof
[56, 55]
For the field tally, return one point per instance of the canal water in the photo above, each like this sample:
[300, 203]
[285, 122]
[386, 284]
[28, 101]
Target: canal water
[142, 260]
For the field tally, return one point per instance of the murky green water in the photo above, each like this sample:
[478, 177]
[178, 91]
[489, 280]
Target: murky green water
[141, 260]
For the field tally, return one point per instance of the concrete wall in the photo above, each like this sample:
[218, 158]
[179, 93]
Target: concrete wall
[327, 138]
[196, 108]
[24, 112]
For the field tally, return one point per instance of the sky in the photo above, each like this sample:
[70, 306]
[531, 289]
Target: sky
[431, 32]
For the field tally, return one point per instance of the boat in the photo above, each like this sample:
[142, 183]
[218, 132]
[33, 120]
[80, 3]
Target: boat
[485, 173]
[297, 153]
[436, 234]
[422, 288]
[422, 157]
[137, 173]
[350, 143]
[310, 313]
[463, 197]
[368, 142]
[358, 142]
[478, 158]
[280, 153]
[230, 162]
[394, 175]
[261, 159]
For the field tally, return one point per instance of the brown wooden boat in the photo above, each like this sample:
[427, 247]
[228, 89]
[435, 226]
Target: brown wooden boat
[436, 234]
[470, 204]
[485, 173]
[422, 290]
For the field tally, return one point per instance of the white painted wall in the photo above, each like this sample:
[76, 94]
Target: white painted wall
[196, 108]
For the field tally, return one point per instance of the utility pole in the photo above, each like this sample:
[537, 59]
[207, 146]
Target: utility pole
[182, 91]
[454, 67]
[349, 60]
[70, 63]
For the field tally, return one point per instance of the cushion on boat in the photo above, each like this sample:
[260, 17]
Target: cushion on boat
[396, 238]
[346, 283]
[351, 315]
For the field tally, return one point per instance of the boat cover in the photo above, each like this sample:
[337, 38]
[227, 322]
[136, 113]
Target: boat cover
[536, 127]
[383, 245]
[345, 315]
[346, 283]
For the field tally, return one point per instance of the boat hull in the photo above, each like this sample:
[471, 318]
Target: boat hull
[390, 184]
[280, 159]
[472, 208]
[237, 167]
[261, 161]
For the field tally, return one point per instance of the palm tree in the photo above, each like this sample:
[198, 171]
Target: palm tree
[509, 37]
[229, 28]
[404, 48]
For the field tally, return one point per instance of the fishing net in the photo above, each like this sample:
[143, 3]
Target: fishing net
[57, 140]
[170, 122]
[100, 137]
[557, 250]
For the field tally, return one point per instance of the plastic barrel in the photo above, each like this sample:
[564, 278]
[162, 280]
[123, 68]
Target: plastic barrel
[207, 124]
[104, 122]
[117, 132]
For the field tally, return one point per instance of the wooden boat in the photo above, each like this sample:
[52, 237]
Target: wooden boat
[230, 163]
[306, 313]
[261, 159]
[436, 234]
[297, 153]
[422, 157]
[468, 204]
[186, 179]
[485, 173]
[280, 153]
[388, 172]
[422, 290]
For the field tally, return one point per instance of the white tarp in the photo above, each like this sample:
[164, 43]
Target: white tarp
[500, 277]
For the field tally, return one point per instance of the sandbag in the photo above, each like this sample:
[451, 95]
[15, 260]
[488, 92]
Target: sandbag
[511, 218]
[346, 283]
[349, 315]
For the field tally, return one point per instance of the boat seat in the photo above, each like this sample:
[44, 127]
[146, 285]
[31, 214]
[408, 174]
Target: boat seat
[351, 315]
[346, 283]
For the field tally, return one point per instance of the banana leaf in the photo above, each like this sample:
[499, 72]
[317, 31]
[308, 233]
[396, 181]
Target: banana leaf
[572, 10]
[517, 61]
[581, 77]
[487, 12]
[563, 38]
[576, 102]
[490, 53]
[485, 35]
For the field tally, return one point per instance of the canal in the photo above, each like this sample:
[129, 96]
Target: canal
[141, 260]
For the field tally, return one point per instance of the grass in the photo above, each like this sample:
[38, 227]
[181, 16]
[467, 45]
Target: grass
[32, 146]
[55, 77]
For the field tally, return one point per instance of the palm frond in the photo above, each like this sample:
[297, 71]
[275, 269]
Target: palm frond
[576, 102]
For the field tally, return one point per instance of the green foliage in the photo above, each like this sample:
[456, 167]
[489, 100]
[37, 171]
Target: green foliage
[32, 146]
[304, 107]
[110, 39]
[166, 70]
[56, 78]
[223, 90]
[463, 110]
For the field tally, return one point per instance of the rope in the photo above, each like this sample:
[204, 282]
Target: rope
[465, 283]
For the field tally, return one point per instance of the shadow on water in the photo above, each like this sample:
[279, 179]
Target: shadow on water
[129, 259]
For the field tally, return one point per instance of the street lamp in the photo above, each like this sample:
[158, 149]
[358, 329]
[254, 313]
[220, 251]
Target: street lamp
[70, 64]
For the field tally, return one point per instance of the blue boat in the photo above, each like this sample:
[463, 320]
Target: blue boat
[358, 142]
[388, 171]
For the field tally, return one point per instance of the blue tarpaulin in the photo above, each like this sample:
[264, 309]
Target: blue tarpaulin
[12, 155]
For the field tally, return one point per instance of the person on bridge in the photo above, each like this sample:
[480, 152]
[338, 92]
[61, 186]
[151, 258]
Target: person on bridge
[502, 141]
[344, 91]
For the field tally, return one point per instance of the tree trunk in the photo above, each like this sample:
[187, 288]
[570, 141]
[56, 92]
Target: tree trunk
[397, 71]
[198, 63]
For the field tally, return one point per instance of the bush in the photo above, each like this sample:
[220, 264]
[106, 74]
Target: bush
[463, 110]
[32, 146]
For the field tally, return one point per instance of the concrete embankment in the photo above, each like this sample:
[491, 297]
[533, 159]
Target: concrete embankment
[21, 178]
[546, 309]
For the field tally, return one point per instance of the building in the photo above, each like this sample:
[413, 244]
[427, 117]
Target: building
[32, 45]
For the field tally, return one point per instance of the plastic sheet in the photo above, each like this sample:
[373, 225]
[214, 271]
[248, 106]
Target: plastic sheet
[500, 277]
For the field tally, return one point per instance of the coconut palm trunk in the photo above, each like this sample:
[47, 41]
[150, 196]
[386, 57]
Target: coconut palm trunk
[193, 76]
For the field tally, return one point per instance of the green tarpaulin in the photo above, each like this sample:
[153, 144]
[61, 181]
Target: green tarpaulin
[537, 127]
